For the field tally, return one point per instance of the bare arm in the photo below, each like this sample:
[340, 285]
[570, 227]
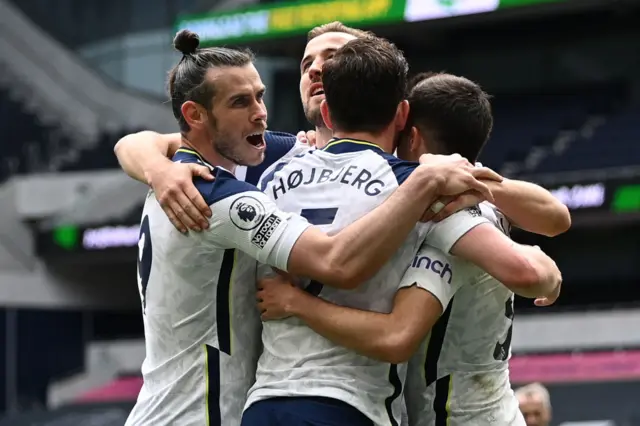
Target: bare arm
[527, 272]
[531, 207]
[357, 252]
[139, 153]
[392, 337]
[144, 155]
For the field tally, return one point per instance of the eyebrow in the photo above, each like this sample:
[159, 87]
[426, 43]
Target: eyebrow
[325, 51]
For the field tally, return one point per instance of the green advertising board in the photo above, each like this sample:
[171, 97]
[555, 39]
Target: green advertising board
[289, 18]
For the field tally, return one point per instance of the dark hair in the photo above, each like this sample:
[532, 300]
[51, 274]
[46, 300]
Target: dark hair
[454, 112]
[336, 27]
[187, 80]
[364, 82]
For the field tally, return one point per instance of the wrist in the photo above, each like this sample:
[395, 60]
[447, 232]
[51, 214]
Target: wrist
[294, 305]
[429, 183]
[152, 168]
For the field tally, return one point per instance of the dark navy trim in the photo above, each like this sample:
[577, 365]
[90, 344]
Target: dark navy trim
[213, 386]
[395, 381]
[346, 145]
[223, 314]
[224, 185]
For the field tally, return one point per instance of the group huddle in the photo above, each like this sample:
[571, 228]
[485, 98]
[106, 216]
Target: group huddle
[323, 280]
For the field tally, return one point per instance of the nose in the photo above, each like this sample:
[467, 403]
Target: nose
[315, 70]
[261, 113]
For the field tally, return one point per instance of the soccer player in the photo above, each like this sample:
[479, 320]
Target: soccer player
[324, 383]
[198, 289]
[458, 374]
[143, 155]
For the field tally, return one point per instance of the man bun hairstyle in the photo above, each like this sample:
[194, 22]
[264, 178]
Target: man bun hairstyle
[186, 42]
[188, 79]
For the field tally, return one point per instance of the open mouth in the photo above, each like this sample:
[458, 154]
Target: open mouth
[317, 90]
[256, 140]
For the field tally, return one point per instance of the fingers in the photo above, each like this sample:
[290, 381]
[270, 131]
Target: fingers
[187, 213]
[311, 137]
[469, 199]
[196, 207]
[486, 173]
[482, 188]
[174, 219]
[202, 171]
[302, 137]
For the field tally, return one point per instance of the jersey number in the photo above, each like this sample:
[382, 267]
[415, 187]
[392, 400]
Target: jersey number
[318, 217]
[144, 260]
[501, 351]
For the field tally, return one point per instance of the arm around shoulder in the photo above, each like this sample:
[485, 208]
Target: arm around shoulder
[508, 262]
[139, 152]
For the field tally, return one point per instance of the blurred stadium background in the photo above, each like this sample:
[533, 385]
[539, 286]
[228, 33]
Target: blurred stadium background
[75, 75]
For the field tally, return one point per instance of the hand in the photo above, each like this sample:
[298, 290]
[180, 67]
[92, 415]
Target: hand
[453, 205]
[458, 176]
[308, 138]
[178, 196]
[275, 297]
[551, 298]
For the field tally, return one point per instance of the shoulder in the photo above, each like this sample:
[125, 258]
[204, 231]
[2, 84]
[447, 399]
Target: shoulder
[278, 145]
[224, 185]
[493, 215]
[401, 168]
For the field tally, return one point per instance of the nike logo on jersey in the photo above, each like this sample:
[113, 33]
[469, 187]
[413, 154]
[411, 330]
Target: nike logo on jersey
[443, 269]
[352, 175]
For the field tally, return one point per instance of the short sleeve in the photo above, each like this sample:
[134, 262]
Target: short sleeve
[433, 271]
[443, 235]
[250, 222]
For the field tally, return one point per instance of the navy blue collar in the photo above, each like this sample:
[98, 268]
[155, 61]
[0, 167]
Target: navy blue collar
[190, 155]
[344, 146]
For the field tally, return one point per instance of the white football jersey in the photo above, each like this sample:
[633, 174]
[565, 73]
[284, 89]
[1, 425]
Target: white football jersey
[202, 328]
[332, 188]
[460, 374]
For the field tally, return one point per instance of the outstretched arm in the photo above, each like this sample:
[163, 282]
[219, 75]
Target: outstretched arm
[390, 337]
[525, 270]
[141, 153]
[531, 207]
[357, 252]
[527, 205]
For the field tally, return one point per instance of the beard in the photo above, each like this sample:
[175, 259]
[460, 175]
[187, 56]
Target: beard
[313, 115]
[223, 143]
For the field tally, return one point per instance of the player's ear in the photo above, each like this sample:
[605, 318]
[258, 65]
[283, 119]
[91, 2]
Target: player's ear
[402, 113]
[418, 144]
[326, 117]
[194, 114]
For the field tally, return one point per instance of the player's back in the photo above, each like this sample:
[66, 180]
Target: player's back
[460, 374]
[201, 330]
[332, 188]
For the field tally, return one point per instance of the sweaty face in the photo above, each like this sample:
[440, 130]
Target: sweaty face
[318, 50]
[534, 411]
[239, 117]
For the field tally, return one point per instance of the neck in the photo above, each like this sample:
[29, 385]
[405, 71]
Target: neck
[384, 140]
[205, 148]
[323, 136]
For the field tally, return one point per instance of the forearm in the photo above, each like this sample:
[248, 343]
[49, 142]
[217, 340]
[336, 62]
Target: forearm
[363, 246]
[530, 207]
[140, 152]
[548, 274]
[364, 332]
